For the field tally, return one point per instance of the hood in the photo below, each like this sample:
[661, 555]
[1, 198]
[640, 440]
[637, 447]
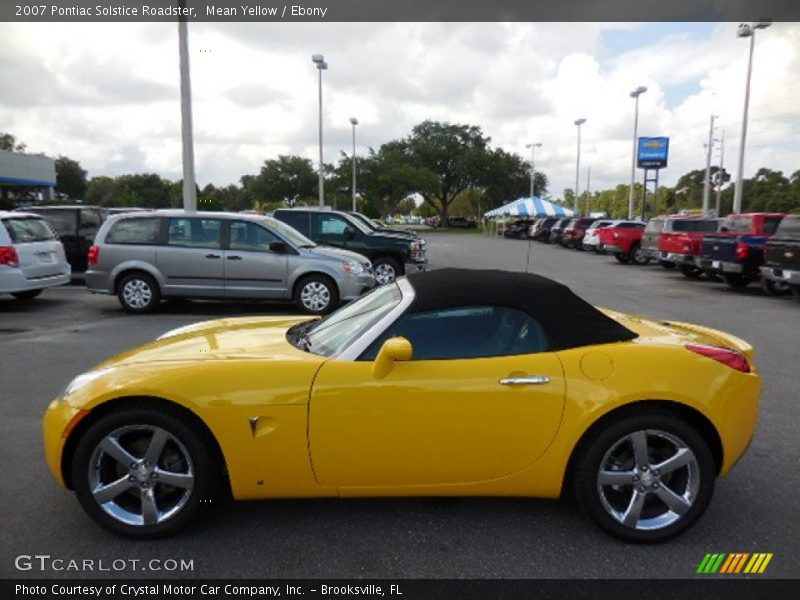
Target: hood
[393, 237]
[334, 253]
[404, 232]
[222, 339]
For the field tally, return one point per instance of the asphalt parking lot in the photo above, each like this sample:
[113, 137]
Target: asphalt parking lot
[45, 343]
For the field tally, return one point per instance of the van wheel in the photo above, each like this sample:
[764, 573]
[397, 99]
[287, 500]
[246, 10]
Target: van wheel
[138, 293]
[316, 295]
[387, 270]
[27, 295]
[645, 477]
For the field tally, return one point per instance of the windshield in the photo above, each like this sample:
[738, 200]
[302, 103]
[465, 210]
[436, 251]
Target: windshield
[336, 331]
[289, 233]
[367, 221]
[654, 226]
[357, 224]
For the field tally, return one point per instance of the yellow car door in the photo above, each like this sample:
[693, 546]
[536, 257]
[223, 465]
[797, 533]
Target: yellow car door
[433, 421]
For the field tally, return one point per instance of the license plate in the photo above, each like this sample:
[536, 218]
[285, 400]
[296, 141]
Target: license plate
[715, 264]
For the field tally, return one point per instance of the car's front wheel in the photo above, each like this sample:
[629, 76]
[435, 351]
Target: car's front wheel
[27, 295]
[138, 293]
[316, 295]
[646, 477]
[387, 269]
[144, 472]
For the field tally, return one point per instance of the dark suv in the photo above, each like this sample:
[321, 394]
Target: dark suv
[76, 227]
[391, 254]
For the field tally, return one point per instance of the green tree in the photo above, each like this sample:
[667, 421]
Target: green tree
[101, 191]
[70, 178]
[508, 177]
[9, 142]
[289, 179]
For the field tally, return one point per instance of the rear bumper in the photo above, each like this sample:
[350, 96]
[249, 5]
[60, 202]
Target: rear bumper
[98, 282]
[12, 280]
[613, 248]
[678, 259]
[783, 275]
[720, 266]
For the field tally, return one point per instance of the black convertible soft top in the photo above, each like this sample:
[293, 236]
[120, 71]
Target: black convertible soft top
[567, 320]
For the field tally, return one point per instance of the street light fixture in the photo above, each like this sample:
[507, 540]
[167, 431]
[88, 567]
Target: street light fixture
[745, 31]
[533, 147]
[634, 94]
[578, 123]
[354, 122]
[319, 60]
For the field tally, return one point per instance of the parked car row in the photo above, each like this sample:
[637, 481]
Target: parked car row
[740, 249]
[314, 257]
[452, 222]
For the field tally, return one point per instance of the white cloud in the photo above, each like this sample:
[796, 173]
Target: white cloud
[107, 94]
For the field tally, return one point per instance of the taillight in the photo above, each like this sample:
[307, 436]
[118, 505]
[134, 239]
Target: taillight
[616, 235]
[741, 250]
[727, 356]
[8, 256]
[93, 255]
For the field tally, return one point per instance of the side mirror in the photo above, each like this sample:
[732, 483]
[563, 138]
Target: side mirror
[393, 349]
[349, 233]
[277, 247]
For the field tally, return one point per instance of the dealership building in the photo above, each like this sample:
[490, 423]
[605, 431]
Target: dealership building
[34, 171]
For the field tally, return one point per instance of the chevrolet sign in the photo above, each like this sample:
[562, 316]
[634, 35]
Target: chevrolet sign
[652, 152]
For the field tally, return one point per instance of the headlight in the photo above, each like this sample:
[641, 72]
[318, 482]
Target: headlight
[82, 380]
[353, 267]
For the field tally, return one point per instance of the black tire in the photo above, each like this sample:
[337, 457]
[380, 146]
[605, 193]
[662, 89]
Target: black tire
[138, 293]
[188, 453]
[27, 294]
[736, 280]
[387, 269]
[637, 255]
[795, 289]
[665, 264]
[690, 271]
[774, 288]
[622, 257]
[316, 294]
[662, 428]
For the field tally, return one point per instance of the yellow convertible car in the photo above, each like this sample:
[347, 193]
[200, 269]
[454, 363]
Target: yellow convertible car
[450, 382]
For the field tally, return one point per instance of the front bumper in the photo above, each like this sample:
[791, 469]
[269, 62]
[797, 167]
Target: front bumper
[782, 275]
[12, 280]
[58, 418]
[355, 286]
[416, 265]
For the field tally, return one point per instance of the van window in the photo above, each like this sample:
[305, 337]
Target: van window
[24, 230]
[134, 231]
[65, 222]
[195, 233]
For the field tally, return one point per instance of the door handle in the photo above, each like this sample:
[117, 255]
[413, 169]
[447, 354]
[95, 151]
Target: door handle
[533, 380]
[213, 256]
[234, 258]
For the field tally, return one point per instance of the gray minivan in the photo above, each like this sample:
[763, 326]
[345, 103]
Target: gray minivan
[144, 257]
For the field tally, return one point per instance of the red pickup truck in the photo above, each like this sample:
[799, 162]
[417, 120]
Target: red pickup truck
[681, 242]
[623, 240]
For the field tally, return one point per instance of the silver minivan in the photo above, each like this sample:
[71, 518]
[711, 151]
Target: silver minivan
[31, 257]
[144, 257]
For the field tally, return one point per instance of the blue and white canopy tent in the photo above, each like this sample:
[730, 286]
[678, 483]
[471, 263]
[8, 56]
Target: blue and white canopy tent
[530, 207]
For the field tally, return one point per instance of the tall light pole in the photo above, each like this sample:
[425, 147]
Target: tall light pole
[707, 182]
[533, 147]
[635, 95]
[189, 185]
[578, 123]
[354, 122]
[719, 173]
[744, 31]
[319, 60]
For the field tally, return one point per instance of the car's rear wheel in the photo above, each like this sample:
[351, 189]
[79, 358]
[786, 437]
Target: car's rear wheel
[144, 472]
[774, 288]
[795, 289]
[646, 477]
[27, 294]
[387, 269]
[138, 293]
[622, 257]
[691, 272]
[665, 264]
[316, 294]
[736, 280]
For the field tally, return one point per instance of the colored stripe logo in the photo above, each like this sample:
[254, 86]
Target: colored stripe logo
[734, 563]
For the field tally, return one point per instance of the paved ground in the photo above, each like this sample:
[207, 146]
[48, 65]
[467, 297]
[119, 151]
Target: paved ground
[47, 342]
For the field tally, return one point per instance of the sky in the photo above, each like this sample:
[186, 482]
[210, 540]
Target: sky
[107, 95]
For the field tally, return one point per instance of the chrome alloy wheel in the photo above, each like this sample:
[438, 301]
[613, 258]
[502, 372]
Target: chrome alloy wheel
[639, 256]
[384, 273]
[137, 293]
[648, 480]
[141, 475]
[315, 296]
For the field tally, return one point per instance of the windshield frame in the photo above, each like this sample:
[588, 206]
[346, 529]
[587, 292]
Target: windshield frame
[287, 233]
